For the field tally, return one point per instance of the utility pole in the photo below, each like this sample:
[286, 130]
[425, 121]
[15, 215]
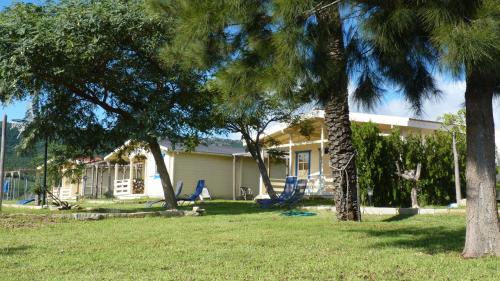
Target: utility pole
[458, 191]
[44, 191]
[2, 156]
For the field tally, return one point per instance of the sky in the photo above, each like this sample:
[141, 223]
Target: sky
[392, 104]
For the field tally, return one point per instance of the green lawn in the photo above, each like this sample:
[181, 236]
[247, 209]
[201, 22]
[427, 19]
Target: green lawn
[237, 241]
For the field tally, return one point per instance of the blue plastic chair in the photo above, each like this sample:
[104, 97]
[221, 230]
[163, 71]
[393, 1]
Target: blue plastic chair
[178, 189]
[299, 193]
[196, 193]
[25, 201]
[288, 191]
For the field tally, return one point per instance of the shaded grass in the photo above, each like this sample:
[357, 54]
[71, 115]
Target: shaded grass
[238, 241]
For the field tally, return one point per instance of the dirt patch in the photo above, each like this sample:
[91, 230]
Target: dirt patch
[26, 221]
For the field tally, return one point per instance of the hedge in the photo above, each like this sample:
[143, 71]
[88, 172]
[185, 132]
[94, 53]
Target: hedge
[376, 162]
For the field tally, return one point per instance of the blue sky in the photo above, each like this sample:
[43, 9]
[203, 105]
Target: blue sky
[393, 104]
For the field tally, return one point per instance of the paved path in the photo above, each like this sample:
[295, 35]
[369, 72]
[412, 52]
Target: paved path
[392, 211]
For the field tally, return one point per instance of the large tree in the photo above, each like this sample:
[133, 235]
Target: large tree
[230, 43]
[300, 47]
[465, 38]
[99, 60]
[251, 116]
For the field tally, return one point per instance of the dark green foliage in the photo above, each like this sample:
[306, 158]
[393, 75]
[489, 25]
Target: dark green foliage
[437, 180]
[375, 161]
[93, 70]
[378, 154]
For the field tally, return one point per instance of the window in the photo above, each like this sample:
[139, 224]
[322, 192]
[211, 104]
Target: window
[302, 164]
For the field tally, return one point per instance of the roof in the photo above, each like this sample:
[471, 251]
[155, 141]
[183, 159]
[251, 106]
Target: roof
[206, 148]
[365, 117]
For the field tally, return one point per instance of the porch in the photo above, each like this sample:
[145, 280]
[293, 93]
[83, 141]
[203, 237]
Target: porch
[129, 180]
[306, 158]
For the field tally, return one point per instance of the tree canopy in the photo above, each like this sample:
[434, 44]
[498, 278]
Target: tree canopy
[93, 70]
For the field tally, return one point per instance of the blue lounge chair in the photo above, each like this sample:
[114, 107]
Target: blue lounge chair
[300, 190]
[178, 190]
[25, 201]
[196, 193]
[290, 185]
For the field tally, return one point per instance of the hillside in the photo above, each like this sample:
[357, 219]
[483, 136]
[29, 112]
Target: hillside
[13, 160]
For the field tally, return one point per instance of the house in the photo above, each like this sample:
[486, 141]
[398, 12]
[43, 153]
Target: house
[130, 172]
[307, 157]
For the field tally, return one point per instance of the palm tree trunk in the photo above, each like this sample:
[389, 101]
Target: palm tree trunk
[342, 158]
[255, 151]
[168, 189]
[341, 149]
[483, 230]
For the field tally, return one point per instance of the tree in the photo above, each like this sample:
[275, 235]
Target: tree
[96, 63]
[228, 41]
[251, 115]
[456, 125]
[285, 47]
[463, 38]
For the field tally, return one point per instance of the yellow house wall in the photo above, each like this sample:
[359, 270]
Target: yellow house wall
[247, 175]
[217, 171]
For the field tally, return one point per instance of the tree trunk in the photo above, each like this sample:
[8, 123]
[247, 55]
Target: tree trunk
[255, 151]
[483, 230]
[341, 149]
[414, 196]
[168, 189]
[458, 191]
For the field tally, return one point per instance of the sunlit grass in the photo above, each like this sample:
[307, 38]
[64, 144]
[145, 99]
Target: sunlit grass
[238, 241]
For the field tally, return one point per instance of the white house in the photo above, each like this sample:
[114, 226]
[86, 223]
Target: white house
[308, 157]
[130, 172]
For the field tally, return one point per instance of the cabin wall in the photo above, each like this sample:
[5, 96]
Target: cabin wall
[217, 171]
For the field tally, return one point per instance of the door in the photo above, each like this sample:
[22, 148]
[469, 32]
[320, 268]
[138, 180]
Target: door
[303, 164]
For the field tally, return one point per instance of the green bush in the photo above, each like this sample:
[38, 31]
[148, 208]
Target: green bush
[376, 162]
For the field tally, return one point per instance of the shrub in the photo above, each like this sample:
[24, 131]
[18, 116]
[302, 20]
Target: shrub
[376, 162]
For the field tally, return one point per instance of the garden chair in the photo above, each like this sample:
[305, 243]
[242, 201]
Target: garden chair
[196, 194]
[290, 184]
[25, 201]
[246, 193]
[178, 190]
[298, 194]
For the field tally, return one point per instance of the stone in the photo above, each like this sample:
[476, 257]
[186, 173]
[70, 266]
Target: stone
[408, 211]
[87, 216]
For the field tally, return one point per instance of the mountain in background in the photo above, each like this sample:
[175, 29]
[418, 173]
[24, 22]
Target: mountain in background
[13, 160]
[223, 142]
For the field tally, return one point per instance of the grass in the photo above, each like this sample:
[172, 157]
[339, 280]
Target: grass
[238, 241]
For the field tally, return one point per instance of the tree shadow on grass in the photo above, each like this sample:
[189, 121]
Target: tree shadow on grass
[399, 217]
[430, 240]
[10, 251]
[216, 207]
[233, 208]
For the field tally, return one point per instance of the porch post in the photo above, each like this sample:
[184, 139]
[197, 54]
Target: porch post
[109, 177]
[131, 175]
[321, 153]
[240, 180]
[261, 183]
[290, 158]
[117, 171]
[268, 166]
[97, 181]
[92, 183]
[234, 177]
